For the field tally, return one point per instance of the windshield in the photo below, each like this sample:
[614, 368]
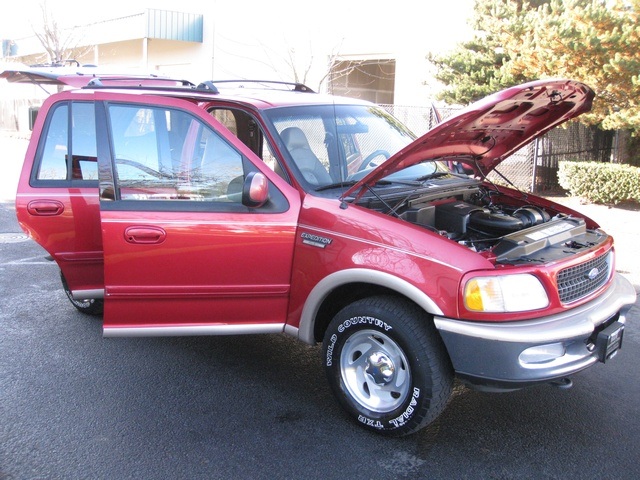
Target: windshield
[340, 144]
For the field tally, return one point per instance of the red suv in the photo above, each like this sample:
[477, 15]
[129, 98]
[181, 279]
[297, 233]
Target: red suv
[263, 207]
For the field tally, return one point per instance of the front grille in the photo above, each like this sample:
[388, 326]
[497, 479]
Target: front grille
[577, 282]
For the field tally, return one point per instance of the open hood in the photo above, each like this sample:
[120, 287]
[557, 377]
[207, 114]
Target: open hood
[488, 131]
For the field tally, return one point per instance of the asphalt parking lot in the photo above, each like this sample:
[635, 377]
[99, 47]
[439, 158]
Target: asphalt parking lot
[75, 405]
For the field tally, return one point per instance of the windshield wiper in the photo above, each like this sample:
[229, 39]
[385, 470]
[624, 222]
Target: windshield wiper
[432, 175]
[347, 183]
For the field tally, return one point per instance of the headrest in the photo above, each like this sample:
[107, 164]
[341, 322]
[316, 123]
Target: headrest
[294, 138]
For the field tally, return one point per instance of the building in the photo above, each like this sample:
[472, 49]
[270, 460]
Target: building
[356, 48]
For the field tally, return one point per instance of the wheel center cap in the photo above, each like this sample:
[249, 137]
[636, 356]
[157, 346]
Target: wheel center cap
[380, 368]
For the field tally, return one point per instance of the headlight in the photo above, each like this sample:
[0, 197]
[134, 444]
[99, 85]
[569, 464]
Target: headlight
[505, 293]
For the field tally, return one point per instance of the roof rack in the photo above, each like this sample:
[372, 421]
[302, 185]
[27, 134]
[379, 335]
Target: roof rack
[145, 81]
[152, 82]
[209, 86]
[292, 86]
[128, 81]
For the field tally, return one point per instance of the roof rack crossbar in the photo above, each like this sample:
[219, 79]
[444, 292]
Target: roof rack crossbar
[99, 82]
[297, 87]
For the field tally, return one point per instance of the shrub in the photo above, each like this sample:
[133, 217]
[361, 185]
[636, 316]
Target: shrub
[600, 182]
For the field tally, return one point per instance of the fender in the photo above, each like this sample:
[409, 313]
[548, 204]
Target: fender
[354, 275]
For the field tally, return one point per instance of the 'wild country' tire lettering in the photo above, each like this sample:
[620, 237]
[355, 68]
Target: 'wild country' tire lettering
[364, 320]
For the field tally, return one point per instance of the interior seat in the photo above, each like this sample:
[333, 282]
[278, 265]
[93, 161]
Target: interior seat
[310, 166]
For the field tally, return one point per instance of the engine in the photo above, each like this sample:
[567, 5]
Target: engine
[485, 219]
[460, 219]
[475, 222]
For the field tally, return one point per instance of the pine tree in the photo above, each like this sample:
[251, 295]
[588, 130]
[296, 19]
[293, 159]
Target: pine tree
[594, 41]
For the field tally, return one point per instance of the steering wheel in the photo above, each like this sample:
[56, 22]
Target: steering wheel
[368, 161]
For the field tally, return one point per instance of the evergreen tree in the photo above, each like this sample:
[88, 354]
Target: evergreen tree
[594, 41]
[474, 69]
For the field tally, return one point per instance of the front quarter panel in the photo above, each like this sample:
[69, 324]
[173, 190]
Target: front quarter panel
[337, 247]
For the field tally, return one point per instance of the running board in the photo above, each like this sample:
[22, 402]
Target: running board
[192, 330]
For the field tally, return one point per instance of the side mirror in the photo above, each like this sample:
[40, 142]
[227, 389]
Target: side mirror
[255, 190]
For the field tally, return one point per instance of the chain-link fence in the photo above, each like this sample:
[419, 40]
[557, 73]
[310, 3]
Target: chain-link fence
[419, 119]
[575, 142]
[533, 168]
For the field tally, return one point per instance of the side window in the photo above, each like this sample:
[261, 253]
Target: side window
[83, 142]
[167, 154]
[227, 118]
[136, 142]
[55, 161]
[245, 127]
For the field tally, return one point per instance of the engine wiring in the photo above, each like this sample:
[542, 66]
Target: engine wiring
[485, 178]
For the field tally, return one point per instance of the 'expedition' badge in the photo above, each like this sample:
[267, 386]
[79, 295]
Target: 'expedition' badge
[315, 240]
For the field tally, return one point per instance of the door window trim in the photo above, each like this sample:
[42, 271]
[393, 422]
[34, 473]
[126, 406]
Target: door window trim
[69, 156]
[110, 195]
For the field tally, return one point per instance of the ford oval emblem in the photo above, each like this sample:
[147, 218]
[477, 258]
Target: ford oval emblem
[593, 273]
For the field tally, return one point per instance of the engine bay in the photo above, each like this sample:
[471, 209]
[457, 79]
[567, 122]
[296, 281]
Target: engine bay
[515, 230]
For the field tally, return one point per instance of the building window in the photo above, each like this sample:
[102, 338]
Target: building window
[372, 80]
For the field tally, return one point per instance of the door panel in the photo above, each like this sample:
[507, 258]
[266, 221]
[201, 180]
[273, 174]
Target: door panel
[57, 200]
[207, 270]
[181, 251]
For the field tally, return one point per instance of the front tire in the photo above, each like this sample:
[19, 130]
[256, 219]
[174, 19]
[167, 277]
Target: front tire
[387, 366]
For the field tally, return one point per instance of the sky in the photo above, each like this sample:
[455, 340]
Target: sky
[439, 23]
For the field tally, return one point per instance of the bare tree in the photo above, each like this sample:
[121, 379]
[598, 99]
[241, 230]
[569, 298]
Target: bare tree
[331, 73]
[334, 69]
[299, 77]
[295, 64]
[61, 45]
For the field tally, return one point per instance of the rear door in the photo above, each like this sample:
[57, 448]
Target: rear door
[57, 197]
[183, 255]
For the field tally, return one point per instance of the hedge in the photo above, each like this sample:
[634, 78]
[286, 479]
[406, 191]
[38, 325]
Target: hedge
[608, 183]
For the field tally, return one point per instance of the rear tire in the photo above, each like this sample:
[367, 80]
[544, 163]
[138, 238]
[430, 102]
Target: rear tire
[90, 306]
[387, 365]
